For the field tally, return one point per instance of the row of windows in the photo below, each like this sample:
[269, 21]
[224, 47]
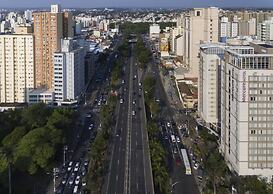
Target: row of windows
[260, 165]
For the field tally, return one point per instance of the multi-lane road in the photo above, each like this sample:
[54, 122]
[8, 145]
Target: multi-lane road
[181, 183]
[129, 168]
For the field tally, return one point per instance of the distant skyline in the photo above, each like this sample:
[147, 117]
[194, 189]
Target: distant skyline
[136, 3]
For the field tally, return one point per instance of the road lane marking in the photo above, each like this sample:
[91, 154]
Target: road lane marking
[118, 161]
[117, 177]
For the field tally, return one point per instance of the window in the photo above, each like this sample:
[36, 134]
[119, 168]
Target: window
[198, 13]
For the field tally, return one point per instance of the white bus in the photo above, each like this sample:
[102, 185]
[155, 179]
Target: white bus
[173, 138]
[186, 161]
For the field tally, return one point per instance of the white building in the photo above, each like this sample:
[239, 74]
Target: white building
[173, 33]
[211, 55]
[178, 45]
[234, 29]
[265, 30]
[41, 96]
[28, 15]
[16, 67]
[69, 71]
[224, 28]
[55, 8]
[154, 31]
[247, 110]
[201, 25]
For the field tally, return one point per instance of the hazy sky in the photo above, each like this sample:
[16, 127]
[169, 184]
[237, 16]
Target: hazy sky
[138, 3]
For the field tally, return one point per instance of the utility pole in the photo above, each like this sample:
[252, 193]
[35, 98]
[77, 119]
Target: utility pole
[64, 156]
[55, 171]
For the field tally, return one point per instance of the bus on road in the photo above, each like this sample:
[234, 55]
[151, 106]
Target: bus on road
[186, 161]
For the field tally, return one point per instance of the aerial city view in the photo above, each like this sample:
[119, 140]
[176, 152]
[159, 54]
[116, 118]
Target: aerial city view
[136, 97]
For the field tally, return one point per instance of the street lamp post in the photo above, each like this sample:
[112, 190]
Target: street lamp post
[64, 156]
[174, 185]
[55, 171]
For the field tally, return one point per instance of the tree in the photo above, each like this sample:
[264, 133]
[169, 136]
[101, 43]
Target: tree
[36, 115]
[154, 108]
[215, 167]
[38, 148]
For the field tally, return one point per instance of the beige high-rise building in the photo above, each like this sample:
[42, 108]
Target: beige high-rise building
[201, 25]
[16, 67]
[49, 28]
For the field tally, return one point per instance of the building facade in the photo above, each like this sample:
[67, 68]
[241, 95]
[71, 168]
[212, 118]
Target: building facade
[49, 28]
[247, 111]
[265, 30]
[16, 67]
[201, 25]
[69, 74]
[211, 56]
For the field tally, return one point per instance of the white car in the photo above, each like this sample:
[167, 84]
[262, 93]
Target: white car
[83, 183]
[76, 168]
[177, 139]
[121, 101]
[88, 116]
[70, 166]
[85, 163]
[90, 126]
[123, 81]
[168, 124]
[77, 181]
[133, 113]
[195, 166]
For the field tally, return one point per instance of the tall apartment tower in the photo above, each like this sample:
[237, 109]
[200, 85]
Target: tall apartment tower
[247, 109]
[211, 56]
[16, 67]
[265, 30]
[201, 25]
[49, 28]
[69, 70]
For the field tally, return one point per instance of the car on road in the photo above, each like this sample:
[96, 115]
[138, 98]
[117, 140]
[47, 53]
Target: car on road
[88, 115]
[195, 166]
[135, 76]
[178, 161]
[76, 168]
[83, 171]
[85, 162]
[123, 81]
[71, 179]
[168, 124]
[70, 166]
[121, 101]
[91, 126]
[64, 179]
[139, 84]
[77, 181]
[133, 113]
[178, 139]
[83, 183]
[134, 102]
[75, 190]
[175, 150]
